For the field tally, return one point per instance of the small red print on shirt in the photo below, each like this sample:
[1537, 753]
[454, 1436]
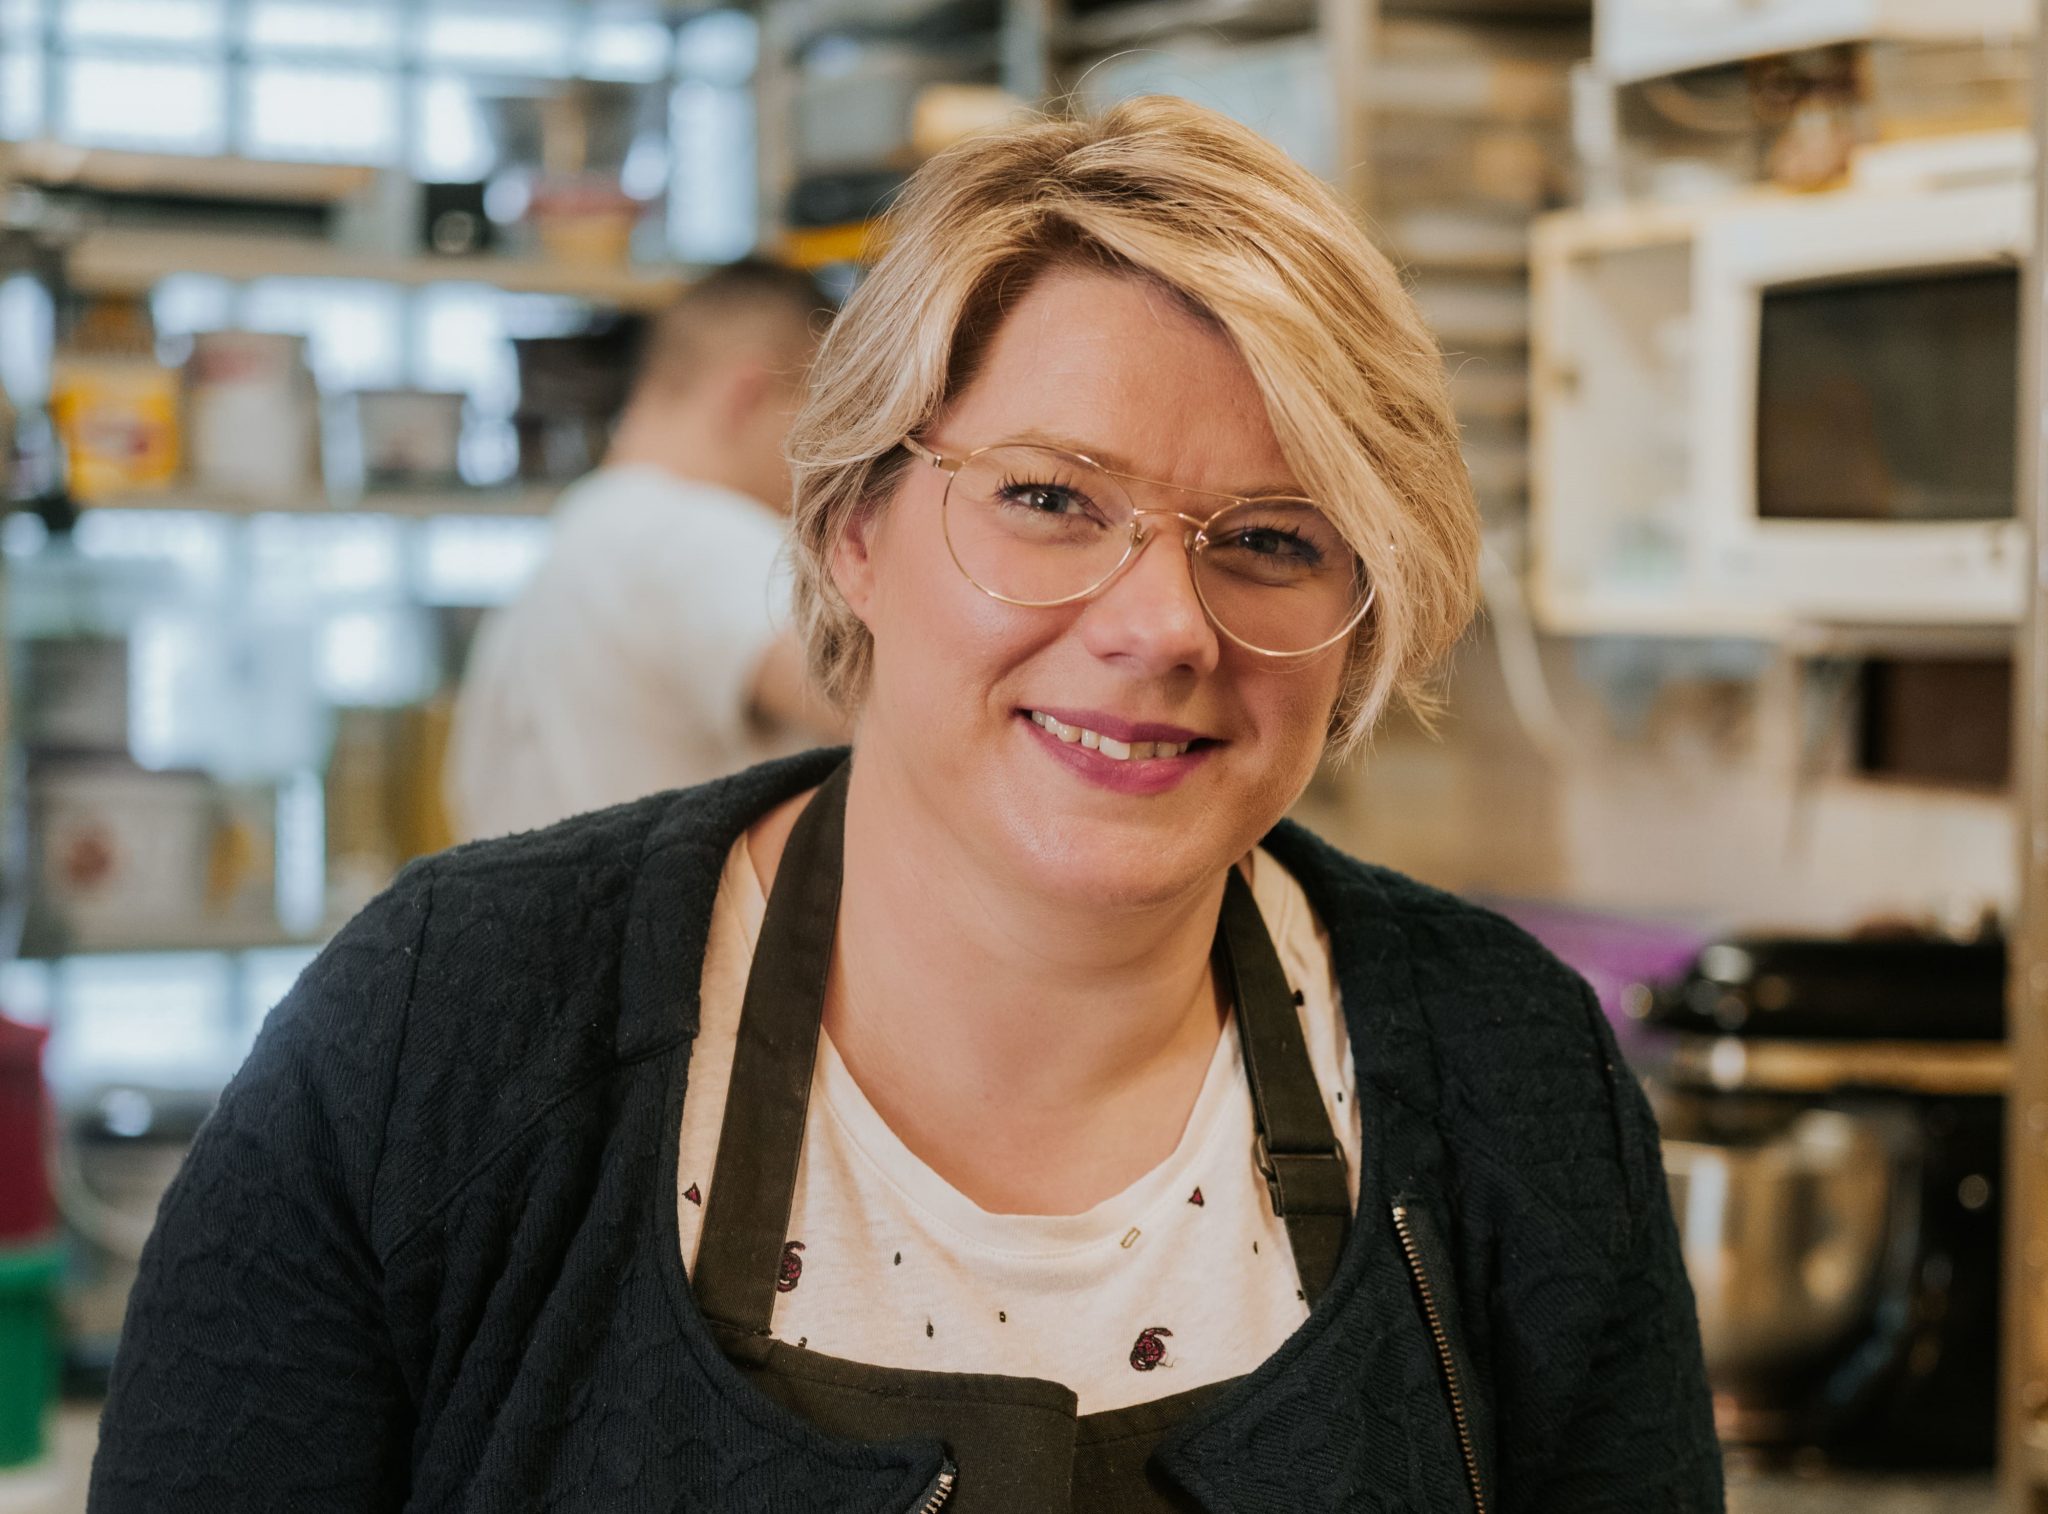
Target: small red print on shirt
[694, 1196]
[1149, 1350]
[1196, 1199]
[792, 1269]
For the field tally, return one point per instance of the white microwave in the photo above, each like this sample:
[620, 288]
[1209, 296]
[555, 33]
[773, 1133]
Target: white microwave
[1780, 410]
[1854, 428]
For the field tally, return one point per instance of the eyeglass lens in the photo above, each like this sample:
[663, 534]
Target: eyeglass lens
[1037, 526]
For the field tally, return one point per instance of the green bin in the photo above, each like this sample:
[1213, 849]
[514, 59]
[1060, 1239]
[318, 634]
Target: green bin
[28, 1349]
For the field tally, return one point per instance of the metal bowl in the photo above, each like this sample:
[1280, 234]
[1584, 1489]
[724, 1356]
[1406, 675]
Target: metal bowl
[1785, 1238]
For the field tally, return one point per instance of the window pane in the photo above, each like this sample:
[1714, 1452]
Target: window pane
[452, 143]
[21, 93]
[531, 43]
[27, 332]
[352, 327]
[118, 102]
[460, 342]
[192, 544]
[267, 976]
[310, 26]
[189, 302]
[161, 1021]
[26, 988]
[712, 206]
[297, 559]
[718, 48]
[478, 560]
[380, 656]
[21, 18]
[625, 50]
[142, 20]
[349, 116]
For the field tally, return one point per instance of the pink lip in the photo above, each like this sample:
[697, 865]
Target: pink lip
[1105, 724]
[1147, 775]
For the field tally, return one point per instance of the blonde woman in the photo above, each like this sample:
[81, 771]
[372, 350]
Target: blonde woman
[1017, 1114]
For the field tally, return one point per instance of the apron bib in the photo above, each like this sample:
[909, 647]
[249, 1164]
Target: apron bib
[1011, 1442]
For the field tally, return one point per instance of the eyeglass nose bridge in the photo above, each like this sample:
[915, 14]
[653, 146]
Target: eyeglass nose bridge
[1193, 539]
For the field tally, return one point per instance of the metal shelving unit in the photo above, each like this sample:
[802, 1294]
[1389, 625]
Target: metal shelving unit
[2024, 1432]
[513, 500]
[119, 261]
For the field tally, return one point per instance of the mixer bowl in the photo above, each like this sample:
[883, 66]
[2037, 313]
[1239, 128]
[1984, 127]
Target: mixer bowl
[1785, 1236]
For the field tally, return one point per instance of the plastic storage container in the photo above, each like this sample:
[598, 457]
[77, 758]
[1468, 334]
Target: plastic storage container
[26, 1214]
[28, 1350]
[30, 1261]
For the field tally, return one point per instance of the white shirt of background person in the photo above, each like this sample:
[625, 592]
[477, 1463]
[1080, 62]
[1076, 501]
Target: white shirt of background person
[651, 648]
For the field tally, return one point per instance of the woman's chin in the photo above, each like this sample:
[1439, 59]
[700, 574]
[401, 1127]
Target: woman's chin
[1113, 866]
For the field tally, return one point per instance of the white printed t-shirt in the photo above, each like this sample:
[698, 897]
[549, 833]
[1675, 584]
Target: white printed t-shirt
[1183, 1279]
[624, 666]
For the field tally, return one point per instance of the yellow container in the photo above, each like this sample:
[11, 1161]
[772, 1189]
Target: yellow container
[118, 420]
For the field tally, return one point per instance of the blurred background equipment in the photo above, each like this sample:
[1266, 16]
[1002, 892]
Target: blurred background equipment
[1834, 1118]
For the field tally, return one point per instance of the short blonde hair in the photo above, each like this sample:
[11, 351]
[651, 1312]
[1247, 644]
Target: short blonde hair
[1354, 384]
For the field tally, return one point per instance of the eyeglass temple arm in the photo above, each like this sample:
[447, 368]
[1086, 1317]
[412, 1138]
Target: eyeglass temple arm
[918, 449]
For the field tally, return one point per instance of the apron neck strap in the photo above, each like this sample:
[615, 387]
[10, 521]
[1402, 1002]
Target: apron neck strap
[753, 1182]
[1294, 1147]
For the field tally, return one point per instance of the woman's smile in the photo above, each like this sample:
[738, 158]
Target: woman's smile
[1123, 756]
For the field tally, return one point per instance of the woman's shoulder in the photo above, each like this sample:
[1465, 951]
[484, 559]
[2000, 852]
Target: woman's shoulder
[1468, 1020]
[576, 923]
[492, 981]
[1459, 954]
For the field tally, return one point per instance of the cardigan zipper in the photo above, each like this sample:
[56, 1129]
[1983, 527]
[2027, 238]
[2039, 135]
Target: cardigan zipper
[933, 1498]
[1445, 1360]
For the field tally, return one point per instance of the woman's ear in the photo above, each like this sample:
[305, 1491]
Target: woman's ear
[852, 561]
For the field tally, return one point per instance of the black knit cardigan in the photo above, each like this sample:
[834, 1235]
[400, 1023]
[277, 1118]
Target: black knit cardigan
[424, 1256]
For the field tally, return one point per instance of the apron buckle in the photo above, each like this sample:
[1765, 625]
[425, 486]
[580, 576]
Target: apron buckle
[1308, 1173]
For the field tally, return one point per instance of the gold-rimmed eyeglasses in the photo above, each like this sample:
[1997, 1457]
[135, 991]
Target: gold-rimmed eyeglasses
[1040, 526]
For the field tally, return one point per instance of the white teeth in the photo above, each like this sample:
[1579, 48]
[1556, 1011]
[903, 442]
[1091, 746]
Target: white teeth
[1109, 746]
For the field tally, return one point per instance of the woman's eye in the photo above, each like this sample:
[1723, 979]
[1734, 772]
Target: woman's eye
[1270, 542]
[1045, 499]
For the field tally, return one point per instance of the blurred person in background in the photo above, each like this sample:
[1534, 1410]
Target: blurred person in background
[651, 650]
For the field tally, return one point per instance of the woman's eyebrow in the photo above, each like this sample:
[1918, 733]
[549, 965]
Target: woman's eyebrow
[1115, 462]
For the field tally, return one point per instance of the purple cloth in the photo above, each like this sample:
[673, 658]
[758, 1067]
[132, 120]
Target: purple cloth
[1612, 952]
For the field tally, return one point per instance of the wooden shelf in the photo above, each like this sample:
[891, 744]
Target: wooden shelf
[38, 945]
[1649, 42]
[1149, 20]
[60, 165]
[1597, 612]
[517, 500]
[817, 247]
[1652, 615]
[133, 262]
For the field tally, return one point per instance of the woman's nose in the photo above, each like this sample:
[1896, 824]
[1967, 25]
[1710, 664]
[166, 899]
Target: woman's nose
[1151, 616]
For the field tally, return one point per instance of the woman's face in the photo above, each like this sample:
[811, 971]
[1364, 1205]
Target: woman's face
[1112, 366]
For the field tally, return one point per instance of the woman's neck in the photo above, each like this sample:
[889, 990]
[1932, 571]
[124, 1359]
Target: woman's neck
[1038, 1052]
